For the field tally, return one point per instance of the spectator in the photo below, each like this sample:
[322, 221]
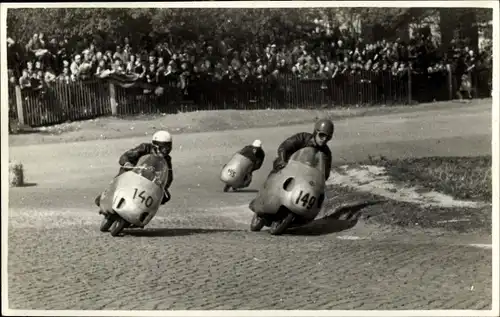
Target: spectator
[25, 80]
[65, 64]
[65, 76]
[151, 74]
[38, 66]
[117, 66]
[34, 44]
[75, 66]
[30, 69]
[130, 68]
[37, 81]
[85, 68]
[152, 58]
[120, 54]
[161, 65]
[101, 67]
[49, 77]
[11, 76]
[324, 52]
[108, 56]
[140, 67]
[465, 87]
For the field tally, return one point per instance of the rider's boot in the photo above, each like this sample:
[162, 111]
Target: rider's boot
[165, 199]
[247, 181]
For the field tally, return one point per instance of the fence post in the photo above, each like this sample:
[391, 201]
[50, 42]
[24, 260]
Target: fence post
[450, 82]
[19, 104]
[112, 99]
[409, 85]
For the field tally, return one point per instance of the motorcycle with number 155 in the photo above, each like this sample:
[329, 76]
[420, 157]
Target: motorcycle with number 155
[237, 173]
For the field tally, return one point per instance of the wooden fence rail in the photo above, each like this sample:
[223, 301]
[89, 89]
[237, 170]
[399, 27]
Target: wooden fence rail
[61, 102]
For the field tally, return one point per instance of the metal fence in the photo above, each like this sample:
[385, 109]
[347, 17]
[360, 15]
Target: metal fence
[61, 102]
[282, 92]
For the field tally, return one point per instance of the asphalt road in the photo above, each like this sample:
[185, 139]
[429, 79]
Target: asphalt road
[198, 253]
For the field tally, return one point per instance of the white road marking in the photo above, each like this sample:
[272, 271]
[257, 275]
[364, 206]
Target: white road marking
[349, 238]
[481, 245]
[453, 220]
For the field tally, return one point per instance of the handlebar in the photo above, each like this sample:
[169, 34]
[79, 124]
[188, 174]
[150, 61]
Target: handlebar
[138, 167]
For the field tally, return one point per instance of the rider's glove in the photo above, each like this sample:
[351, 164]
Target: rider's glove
[279, 164]
[128, 164]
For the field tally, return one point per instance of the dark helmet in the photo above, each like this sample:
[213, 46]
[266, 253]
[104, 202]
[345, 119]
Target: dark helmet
[324, 126]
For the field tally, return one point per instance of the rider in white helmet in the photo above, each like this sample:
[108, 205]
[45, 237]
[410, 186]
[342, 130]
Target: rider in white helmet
[162, 143]
[256, 154]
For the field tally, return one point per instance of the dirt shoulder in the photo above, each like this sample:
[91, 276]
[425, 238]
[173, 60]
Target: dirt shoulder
[451, 193]
[205, 121]
[409, 215]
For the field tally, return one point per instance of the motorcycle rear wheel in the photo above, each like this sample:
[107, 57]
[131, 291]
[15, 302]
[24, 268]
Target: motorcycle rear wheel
[227, 188]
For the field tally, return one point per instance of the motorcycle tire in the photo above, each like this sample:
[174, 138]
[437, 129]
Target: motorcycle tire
[279, 226]
[106, 223]
[117, 227]
[257, 223]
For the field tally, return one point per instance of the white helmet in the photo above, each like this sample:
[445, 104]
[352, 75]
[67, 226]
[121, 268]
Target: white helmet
[162, 136]
[257, 143]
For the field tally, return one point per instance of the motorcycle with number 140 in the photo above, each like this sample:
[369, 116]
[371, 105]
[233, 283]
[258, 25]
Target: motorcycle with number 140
[133, 198]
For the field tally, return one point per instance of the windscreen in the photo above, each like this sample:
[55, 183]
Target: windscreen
[154, 168]
[311, 157]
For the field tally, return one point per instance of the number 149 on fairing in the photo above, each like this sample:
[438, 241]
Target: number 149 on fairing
[306, 199]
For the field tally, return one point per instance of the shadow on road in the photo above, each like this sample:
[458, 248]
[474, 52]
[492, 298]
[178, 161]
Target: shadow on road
[343, 218]
[25, 185]
[28, 185]
[244, 191]
[171, 232]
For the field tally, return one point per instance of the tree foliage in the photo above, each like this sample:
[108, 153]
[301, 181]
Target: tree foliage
[260, 24]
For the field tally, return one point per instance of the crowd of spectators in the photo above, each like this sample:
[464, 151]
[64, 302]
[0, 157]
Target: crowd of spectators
[43, 61]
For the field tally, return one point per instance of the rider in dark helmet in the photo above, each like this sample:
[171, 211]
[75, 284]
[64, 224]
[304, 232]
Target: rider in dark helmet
[323, 132]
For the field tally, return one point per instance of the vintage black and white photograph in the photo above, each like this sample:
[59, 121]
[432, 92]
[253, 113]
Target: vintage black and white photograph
[361, 179]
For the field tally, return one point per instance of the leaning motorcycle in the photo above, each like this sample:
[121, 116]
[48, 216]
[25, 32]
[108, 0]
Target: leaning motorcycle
[293, 196]
[237, 173]
[133, 198]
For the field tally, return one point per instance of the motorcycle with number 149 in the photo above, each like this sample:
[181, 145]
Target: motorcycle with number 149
[293, 196]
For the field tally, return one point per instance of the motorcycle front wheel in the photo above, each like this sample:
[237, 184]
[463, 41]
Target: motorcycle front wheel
[257, 223]
[279, 226]
[106, 223]
[118, 226]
